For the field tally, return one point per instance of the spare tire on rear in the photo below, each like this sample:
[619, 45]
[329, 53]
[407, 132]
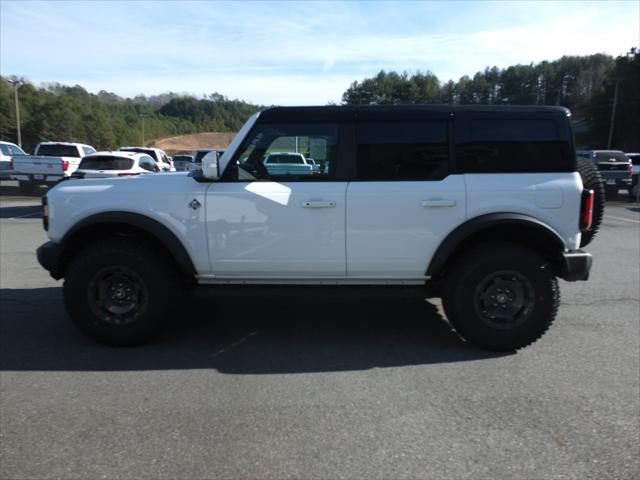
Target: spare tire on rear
[592, 180]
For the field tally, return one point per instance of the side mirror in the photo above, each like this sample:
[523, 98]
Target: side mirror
[210, 166]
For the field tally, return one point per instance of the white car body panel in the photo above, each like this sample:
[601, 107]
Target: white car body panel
[164, 198]
[393, 228]
[553, 198]
[271, 228]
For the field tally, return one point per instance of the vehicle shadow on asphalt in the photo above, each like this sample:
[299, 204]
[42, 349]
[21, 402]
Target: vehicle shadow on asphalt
[32, 211]
[14, 191]
[238, 335]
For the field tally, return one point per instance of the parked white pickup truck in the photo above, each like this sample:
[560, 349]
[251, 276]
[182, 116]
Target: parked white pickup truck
[485, 207]
[286, 163]
[50, 163]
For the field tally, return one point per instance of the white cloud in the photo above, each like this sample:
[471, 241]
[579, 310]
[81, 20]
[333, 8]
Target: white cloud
[293, 53]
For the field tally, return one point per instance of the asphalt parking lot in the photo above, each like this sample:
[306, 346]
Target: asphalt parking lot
[313, 387]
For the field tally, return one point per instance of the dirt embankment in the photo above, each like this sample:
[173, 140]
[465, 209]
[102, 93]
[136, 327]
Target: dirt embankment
[188, 143]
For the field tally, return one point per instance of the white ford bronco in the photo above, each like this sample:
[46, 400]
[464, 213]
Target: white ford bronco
[483, 206]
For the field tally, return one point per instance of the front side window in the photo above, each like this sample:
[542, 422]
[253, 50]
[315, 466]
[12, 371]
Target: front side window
[282, 152]
[147, 163]
[402, 151]
[11, 150]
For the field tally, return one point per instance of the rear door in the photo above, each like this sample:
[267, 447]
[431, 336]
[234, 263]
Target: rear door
[404, 199]
[286, 226]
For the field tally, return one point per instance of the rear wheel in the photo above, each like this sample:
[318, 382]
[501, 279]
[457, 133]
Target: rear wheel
[501, 296]
[118, 292]
[592, 180]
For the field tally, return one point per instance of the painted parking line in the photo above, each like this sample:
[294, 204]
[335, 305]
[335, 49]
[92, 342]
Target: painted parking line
[622, 219]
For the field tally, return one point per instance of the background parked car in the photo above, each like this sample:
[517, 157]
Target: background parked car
[8, 150]
[50, 163]
[161, 158]
[634, 191]
[115, 164]
[182, 162]
[614, 166]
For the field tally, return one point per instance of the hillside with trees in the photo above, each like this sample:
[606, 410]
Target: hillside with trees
[585, 84]
[107, 121]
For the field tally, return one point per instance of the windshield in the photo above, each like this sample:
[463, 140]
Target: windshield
[106, 163]
[58, 150]
[148, 151]
[611, 157]
[11, 150]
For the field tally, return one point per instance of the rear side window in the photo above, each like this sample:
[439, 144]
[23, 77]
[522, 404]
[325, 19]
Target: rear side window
[106, 163]
[514, 145]
[88, 150]
[58, 151]
[402, 151]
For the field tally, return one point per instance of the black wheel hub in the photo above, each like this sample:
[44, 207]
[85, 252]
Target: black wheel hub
[117, 295]
[504, 299]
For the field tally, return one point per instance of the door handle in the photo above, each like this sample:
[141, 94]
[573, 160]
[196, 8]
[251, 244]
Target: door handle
[438, 203]
[318, 204]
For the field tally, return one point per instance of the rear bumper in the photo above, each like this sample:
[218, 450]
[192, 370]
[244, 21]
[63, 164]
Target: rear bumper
[50, 257]
[576, 265]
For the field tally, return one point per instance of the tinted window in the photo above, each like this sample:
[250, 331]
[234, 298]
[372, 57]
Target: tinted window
[58, 150]
[200, 155]
[148, 151]
[279, 152]
[106, 163]
[147, 163]
[402, 151]
[514, 145]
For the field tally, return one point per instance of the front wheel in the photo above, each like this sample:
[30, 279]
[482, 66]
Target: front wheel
[501, 296]
[119, 291]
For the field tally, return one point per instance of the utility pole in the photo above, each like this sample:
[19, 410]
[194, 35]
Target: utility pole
[631, 55]
[613, 113]
[16, 85]
[142, 115]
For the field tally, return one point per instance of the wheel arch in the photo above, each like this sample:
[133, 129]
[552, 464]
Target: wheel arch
[110, 224]
[511, 227]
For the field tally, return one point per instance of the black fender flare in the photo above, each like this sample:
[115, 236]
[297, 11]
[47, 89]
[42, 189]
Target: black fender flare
[456, 237]
[147, 224]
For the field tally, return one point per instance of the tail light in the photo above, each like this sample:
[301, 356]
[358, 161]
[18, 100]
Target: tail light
[65, 165]
[10, 164]
[45, 212]
[630, 169]
[586, 212]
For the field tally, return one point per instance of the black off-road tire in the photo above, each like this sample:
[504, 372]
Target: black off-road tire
[123, 264]
[482, 271]
[26, 188]
[592, 180]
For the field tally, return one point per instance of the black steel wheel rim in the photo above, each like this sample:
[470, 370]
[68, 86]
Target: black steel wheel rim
[117, 295]
[504, 299]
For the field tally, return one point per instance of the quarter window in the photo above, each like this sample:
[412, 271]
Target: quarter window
[287, 152]
[402, 151]
[514, 145]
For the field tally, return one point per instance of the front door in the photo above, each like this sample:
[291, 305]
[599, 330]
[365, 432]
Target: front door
[275, 214]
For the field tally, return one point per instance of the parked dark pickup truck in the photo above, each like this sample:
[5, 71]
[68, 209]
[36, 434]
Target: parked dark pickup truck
[614, 166]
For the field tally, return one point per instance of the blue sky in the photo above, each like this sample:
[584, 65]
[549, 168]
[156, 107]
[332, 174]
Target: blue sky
[293, 53]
